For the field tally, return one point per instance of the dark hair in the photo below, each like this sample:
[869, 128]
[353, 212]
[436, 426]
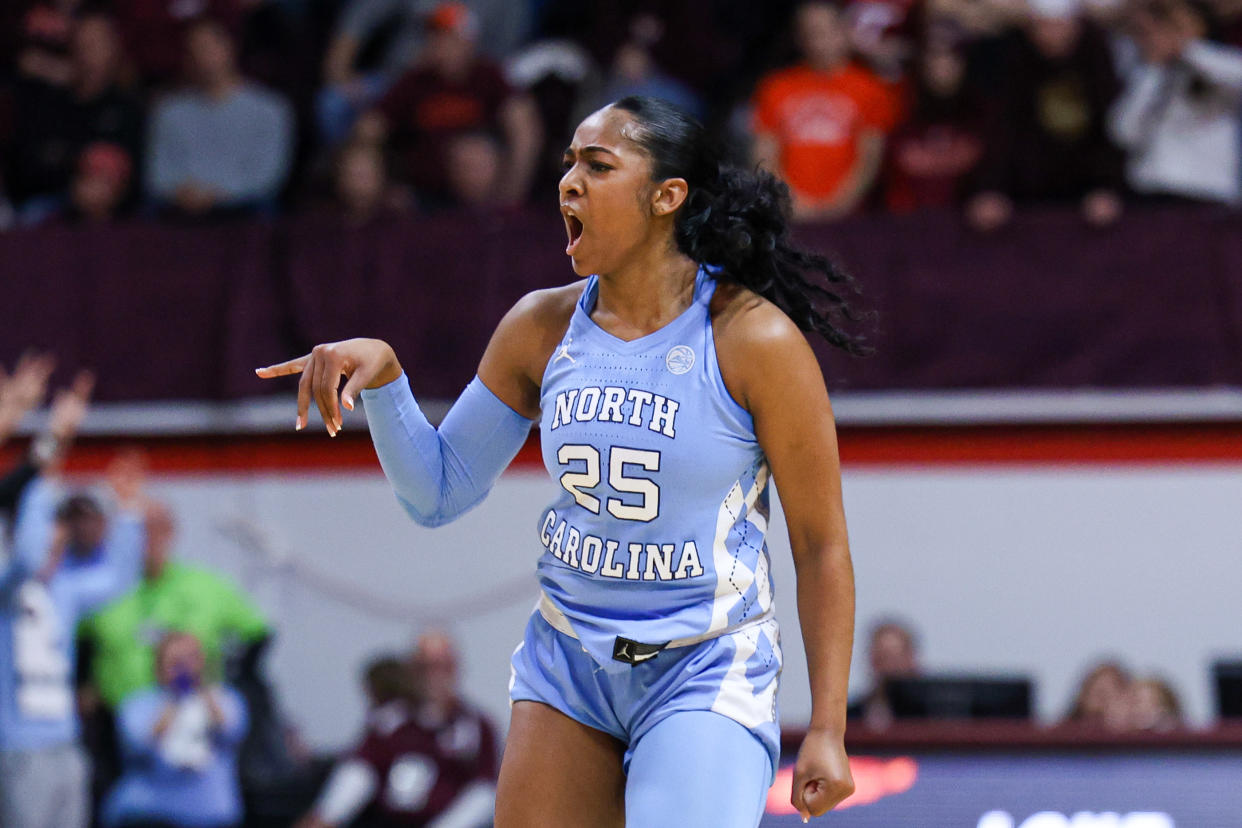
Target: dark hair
[738, 221]
[387, 679]
[78, 506]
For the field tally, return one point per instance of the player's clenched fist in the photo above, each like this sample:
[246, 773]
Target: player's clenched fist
[365, 363]
[821, 775]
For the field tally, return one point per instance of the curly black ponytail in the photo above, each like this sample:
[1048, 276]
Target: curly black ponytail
[738, 220]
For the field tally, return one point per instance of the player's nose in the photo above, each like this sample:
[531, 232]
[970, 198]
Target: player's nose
[571, 184]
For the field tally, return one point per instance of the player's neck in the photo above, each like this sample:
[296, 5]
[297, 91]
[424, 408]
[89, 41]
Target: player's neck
[646, 294]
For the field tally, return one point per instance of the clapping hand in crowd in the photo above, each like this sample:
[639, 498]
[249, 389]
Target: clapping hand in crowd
[23, 390]
[69, 406]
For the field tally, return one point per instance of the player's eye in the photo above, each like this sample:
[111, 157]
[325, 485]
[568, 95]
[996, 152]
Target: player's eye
[598, 167]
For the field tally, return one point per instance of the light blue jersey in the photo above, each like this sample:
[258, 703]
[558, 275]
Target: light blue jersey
[656, 624]
[659, 534]
[38, 617]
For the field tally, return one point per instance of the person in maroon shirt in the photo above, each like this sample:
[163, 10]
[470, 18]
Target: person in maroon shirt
[450, 92]
[428, 760]
[933, 152]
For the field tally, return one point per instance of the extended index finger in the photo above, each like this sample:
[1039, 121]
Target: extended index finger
[284, 369]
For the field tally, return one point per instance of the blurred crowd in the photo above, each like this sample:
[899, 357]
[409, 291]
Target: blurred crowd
[1110, 699]
[185, 109]
[132, 692]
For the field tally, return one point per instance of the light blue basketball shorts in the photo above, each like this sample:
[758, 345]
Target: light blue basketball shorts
[735, 675]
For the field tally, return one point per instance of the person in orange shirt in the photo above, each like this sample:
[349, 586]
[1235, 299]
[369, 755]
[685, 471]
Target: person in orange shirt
[820, 125]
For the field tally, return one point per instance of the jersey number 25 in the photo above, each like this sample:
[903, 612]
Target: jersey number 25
[620, 461]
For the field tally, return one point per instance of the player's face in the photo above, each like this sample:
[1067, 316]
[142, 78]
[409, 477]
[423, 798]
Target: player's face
[606, 194]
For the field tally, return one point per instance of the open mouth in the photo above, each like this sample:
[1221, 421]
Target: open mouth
[573, 226]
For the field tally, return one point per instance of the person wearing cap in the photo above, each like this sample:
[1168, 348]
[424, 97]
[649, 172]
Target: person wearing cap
[96, 193]
[1046, 140]
[102, 182]
[67, 559]
[350, 88]
[454, 90]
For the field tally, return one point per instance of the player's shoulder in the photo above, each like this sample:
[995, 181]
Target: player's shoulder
[758, 346]
[743, 318]
[545, 311]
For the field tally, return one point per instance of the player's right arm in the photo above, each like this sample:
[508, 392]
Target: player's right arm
[439, 473]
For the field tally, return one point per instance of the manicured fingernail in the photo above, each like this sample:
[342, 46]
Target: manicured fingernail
[298, 425]
[347, 401]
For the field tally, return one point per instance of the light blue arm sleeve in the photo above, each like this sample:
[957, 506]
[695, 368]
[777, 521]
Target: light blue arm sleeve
[32, 535]
[438, 474]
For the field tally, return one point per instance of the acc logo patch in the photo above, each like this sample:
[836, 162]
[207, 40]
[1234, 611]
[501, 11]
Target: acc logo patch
[680, 359]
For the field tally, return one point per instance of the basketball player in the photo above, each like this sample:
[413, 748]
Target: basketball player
[670, 386]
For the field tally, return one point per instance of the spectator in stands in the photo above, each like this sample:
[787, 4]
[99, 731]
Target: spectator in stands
[635, 71]
[881, 32]
[474, 160]
[1103, 699]
[349, 88]
[361, 187]
[62, 566]
[154, 31]
[980, 20]
[1178, 118]
[452, 91]
[892, 653]
[119, 639]
[44, 36]
[425, 734]
[1154, 706]
[460, 740]
[223, 145]
[180, 742]
[561, 77]
[934, 151]
[56, 123]
[96, 194]
[354, 783]
[1047, 139]
[821, 124]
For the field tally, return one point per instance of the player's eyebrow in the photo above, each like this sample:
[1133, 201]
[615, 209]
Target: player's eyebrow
[592, 148]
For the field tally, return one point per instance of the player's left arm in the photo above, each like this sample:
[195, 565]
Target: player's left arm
[771, 370]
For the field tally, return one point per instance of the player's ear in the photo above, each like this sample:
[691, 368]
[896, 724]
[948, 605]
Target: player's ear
[668, 195]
